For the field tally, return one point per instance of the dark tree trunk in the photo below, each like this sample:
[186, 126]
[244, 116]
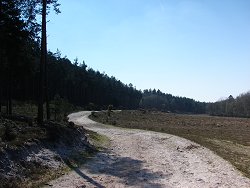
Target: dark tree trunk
[9, 106]
[42, 64]
[9, 100]
[1, 77]
[9, 89]
[47, 86]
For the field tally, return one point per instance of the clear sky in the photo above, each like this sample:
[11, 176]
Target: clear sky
[194, 48]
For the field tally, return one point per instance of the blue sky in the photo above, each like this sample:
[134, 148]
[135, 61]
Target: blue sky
[194, 48]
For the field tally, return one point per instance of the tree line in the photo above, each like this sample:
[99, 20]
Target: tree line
[158, 100]
[235, 107]
[29, 73]
[72, 81]
[84, 86]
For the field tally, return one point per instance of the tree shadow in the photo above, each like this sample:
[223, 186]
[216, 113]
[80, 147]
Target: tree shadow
[84, 176]
[130, 172]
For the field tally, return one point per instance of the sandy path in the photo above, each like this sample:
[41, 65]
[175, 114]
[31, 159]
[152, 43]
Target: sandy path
[139, 158]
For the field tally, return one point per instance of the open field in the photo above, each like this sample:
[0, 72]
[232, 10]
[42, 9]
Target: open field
[228, 137]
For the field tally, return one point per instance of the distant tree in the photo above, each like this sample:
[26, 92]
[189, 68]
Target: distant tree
[76, 61]
[154, 91]
[239, 107]
[83, 65]
[58, 54]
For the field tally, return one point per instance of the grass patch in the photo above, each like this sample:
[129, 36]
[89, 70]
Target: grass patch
[228, 137]
[41, 175]
[99, 141]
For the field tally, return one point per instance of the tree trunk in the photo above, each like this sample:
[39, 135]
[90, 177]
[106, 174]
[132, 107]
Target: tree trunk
[9, 89]
[1, 79]
[9, 100]
[47, 86]
[42, 64]
[9, 105]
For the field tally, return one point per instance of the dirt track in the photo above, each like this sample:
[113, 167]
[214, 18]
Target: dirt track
[139, 158]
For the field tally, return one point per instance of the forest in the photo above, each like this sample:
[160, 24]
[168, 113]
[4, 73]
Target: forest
[29, 73]
[72, 81]
[234, 107]
[158, 100]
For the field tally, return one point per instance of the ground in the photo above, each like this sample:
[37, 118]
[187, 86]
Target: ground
[31, 155]
[137, 158]
[226, 136]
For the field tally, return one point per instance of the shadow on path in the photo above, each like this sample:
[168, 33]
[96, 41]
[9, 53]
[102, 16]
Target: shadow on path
[84, 176]
[129, 171]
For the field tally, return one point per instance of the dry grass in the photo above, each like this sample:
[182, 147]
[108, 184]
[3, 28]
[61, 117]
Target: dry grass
[23, 137]
[228, 137]
[18, 139]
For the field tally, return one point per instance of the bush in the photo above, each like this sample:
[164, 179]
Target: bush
[10, 134]
[61, 108]
[91, 106]
[110, 107]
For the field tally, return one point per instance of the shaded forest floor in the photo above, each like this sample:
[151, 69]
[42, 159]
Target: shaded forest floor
[31, 155]
[228, 137]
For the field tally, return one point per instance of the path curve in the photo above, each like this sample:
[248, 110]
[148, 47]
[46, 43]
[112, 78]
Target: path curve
[137, 158]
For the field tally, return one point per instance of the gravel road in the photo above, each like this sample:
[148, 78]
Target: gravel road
[137, 158]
